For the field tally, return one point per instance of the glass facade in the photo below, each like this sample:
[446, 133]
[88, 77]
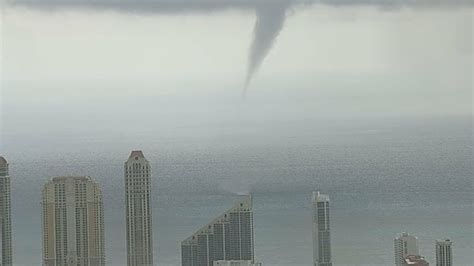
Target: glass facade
[229, 237]
[321, 231]
[73, 222]
[5, 215]
[444, 256]
[138, 210]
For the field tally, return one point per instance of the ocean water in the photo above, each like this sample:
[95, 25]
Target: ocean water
[383, 178]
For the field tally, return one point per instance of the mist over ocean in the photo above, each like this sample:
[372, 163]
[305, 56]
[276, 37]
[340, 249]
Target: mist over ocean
[384, 176]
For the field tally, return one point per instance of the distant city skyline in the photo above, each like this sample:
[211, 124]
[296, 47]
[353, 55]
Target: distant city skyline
[73, 226]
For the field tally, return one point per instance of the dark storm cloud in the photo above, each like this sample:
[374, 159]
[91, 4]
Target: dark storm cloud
[179, 6]
[149, 6]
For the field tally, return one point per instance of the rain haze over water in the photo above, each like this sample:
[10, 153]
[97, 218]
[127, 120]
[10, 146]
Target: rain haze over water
[387, 178]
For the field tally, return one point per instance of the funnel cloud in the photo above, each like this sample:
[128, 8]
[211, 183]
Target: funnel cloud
[269, 23]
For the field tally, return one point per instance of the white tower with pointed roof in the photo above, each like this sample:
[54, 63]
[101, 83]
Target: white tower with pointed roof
[138, 210]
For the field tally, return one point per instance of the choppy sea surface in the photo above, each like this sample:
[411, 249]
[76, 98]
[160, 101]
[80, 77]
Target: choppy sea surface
[383, 178]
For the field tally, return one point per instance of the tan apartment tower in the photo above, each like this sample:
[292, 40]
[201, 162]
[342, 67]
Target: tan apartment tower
[138, 210]
[5, 215]
[73, 222]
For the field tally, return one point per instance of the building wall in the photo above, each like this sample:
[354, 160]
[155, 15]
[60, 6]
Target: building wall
[5, 215]
[405, 245]
[228, 237]
[138, 210]
[321, 231]
[73, 222]
[444, 254]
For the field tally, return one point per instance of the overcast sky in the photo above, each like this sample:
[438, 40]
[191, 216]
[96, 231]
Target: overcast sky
[98, 70]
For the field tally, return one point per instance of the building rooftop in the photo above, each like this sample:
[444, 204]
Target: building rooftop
[135, 155]
[416, 260]
[71, 178]
[3, 161]
[444, 241]
[406, 235]
[318, 197]
[242, 205]
[236, 263]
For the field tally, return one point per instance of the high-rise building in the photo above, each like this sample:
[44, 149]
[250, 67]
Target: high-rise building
[444, 254]
[321, 230]
[5, 215]
[236, 263]
[229, 237]
[405, 244]
[73, 222]
[138, 210]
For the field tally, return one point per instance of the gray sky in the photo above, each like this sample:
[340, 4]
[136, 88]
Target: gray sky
[87, 69]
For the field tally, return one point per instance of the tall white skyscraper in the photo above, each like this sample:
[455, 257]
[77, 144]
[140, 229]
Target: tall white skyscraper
[5, 215]
[405, 244]
[321, 230]
[73, 222]
[138, 210]
[444, 253]
[228, 239]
